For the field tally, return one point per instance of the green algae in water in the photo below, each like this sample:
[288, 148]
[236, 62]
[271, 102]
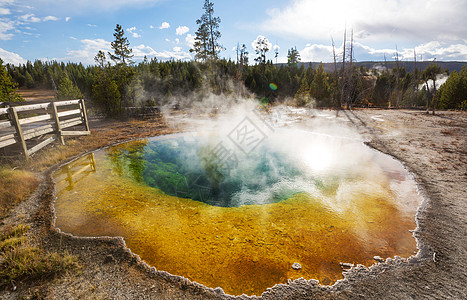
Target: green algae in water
[348, 211]
[191, 169]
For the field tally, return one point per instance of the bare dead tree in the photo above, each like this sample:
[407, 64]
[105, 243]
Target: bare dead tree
[351, 48]
[343, 70]
[416, 79]
[389, 92]
[350, 69]
[336, 76]
[398, 87]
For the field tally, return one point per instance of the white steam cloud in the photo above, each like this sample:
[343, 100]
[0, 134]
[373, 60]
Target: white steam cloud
[324, 147]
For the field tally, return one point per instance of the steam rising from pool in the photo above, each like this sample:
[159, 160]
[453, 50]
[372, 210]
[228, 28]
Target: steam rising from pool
[237, 204]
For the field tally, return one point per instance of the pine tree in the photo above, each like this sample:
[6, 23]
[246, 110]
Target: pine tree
[121, 46]
[293, 57]
[262, 46]
[29, 81]
[243, 55]
[320, 87]
[67, 90]
[206, 44]
[276, 52]
[201, 42]
[106, 95]
[302, 96]
[7, 86]
[453, 93]
[100, 59]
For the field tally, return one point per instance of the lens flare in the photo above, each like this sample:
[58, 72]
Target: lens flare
[273, 86]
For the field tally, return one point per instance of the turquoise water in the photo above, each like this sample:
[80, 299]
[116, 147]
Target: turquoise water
[196, 170]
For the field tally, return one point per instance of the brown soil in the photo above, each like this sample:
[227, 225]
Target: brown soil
[37, 94]
[433, 148]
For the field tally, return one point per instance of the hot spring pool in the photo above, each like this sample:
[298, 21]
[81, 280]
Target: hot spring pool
[191, 206]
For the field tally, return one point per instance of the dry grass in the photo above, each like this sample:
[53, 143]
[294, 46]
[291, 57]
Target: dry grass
[37, 94]
[21, 261]
[15, 186]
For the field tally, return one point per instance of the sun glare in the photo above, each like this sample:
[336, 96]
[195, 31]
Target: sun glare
[318, 157]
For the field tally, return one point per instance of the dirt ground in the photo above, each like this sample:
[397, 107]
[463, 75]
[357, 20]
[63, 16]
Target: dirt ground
[37, 94]
[433, 148]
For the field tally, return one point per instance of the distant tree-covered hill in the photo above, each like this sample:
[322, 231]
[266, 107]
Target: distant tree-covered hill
[408, 65]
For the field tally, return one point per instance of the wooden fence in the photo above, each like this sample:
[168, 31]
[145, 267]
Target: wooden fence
[31, 125]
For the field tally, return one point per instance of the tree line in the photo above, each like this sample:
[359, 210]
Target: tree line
[154, 82]
[116, 82]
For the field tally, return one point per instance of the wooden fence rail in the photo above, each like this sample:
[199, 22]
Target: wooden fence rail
[26, 122]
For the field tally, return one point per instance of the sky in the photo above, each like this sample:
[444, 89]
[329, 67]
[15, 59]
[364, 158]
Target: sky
[75, 30]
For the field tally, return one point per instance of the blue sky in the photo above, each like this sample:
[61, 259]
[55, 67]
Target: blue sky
[71, 30]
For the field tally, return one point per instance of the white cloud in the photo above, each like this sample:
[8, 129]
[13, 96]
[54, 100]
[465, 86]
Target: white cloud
[174, 55]
[88, 51]
[29, 18]
[6, 2]
[133, 33]
[316, 53]
[151, 27]
[181, 30]
[76, 7]
[92, 25]
[164, 25]
[67, 19]
[442, 52]
[190, 40]
[4, 11]
[50, 18]
[5, 27]
[428, 51]
[11, 58]
[142, 50]
[372, 20]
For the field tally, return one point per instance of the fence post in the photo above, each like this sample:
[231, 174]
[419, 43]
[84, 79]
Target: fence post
[84, 115]
[57, 121]
[20, 137]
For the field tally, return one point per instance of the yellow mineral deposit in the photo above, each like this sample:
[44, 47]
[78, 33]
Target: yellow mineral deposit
[242, 249]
